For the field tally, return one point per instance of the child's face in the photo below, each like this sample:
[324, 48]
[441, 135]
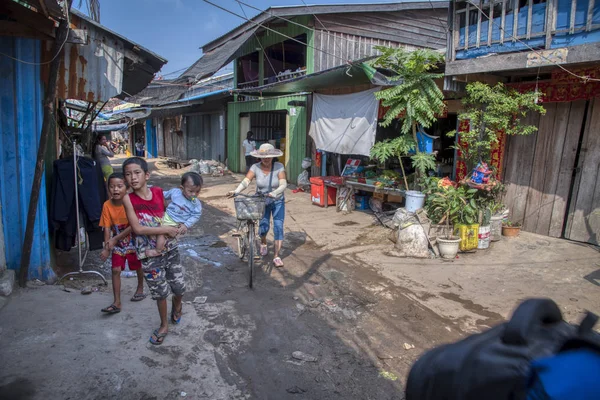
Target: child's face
[190, 191]
[117, 188]
[135, 176]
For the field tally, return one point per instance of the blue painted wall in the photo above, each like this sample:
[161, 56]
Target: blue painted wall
[21, 115]
[538, 18]
[151, 140]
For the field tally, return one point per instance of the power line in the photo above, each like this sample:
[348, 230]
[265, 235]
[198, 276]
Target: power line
[583, 78]
[269, 29]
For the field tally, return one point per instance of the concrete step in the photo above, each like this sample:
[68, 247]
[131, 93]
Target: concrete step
[7, 282]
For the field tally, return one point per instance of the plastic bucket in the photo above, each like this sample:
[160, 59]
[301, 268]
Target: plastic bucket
[414, 200]
[484, 237]
[496, 228]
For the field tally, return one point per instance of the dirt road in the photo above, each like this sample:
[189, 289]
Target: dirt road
[351, 324]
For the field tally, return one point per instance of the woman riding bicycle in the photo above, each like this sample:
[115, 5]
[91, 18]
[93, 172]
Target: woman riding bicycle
[271, 182]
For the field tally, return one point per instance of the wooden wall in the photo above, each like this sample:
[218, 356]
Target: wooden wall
[540, 170]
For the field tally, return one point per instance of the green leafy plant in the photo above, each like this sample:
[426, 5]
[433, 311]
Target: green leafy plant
[456, 204]
[417, 99]
[491, 110]
[512, 224]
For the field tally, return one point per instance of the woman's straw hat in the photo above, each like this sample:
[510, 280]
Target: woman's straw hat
[266, 151]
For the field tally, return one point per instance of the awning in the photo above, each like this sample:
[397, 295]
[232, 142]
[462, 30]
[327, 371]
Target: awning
[110, 128]
[337, 77]
[217, 58]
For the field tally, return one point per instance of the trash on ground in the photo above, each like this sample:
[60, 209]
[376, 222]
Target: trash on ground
[295, 390]
[129, 274]
[300, 307]
[200, 299]
[37, 282]
[183, 394]
[388, 375]
[408, 346]
[86, 290]
[298, 355]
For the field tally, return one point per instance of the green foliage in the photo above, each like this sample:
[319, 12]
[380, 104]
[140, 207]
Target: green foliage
[490, 110]
[449, 204]
[423, 162]
[511, 224]
[394, 148]
[418, 97]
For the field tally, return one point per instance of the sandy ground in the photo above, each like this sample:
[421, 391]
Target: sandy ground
[342, 298]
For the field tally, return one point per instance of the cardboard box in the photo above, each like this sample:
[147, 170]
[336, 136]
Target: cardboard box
[392, 198]
[380, 195]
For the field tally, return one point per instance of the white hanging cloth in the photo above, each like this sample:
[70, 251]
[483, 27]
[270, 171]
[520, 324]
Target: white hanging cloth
[345, 124]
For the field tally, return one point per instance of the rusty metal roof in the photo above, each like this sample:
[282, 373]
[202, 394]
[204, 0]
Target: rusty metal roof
[106, 66]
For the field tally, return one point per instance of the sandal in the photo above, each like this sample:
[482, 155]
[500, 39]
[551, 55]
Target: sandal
[112, 309]
[160, 337]
[264, 250]
[138, 297]
[178, 320]
[278, 263]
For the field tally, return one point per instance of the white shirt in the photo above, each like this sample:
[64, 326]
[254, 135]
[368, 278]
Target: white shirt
[249, 145]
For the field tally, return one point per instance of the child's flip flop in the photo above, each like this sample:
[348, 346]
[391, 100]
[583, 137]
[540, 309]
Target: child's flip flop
[278, 263]
[160, 337]
[112, 309]
[138, 297]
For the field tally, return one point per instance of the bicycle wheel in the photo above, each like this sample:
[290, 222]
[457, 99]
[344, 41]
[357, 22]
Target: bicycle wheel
[251, 249]
[241, 241]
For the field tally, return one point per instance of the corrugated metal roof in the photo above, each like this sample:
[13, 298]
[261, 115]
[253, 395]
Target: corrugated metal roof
[107, 66]
[92, 72]
[291, 11]
[217, 58]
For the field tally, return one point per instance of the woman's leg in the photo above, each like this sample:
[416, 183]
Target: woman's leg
[278, 218]
[265, 225]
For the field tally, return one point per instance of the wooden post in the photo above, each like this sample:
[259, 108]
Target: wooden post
[47, 125]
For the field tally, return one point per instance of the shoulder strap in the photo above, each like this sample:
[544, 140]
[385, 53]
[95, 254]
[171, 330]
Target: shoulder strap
[271, 176]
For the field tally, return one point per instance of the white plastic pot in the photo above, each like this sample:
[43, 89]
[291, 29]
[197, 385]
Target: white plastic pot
[414, 200]
[496, 228]
[448, 247]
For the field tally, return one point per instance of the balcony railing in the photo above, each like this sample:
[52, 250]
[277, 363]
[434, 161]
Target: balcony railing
[500, 26]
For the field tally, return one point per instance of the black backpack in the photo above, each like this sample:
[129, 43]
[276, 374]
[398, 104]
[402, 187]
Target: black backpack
[496, 364]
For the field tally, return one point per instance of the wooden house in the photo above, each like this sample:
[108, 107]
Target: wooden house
[552, 47]
[284, 54]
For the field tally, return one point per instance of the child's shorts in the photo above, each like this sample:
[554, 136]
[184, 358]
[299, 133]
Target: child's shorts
[168, 221]
[163, 273]
[118, 261]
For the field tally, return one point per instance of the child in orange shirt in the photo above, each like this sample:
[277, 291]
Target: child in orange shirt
[121, 244]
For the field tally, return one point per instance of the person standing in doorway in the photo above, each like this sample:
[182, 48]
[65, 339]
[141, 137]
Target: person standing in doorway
[271, 182]
[100, 154]
[249, 146]
[139, 148]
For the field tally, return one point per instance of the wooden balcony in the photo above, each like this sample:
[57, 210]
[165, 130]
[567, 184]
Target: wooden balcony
[485, 27]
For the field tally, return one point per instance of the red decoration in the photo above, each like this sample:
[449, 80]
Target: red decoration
[497, 154]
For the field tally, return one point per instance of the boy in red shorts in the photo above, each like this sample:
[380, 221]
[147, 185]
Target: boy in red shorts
[114, 219]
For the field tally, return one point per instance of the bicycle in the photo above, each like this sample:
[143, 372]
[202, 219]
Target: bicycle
[249, 209]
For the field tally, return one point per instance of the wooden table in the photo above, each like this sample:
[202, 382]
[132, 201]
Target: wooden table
[371, 188]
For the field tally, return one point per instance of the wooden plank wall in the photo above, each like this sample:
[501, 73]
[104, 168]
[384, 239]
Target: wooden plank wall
[539, 167]
[421, 28]
[584, 215]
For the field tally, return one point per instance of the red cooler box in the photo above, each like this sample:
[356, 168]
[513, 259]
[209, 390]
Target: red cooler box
[317, 192]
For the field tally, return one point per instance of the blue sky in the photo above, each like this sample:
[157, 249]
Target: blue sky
[175, 29]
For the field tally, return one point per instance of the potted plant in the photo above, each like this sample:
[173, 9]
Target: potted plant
[511, 229]
[448, 203]
[490, 111]
[416, 100]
